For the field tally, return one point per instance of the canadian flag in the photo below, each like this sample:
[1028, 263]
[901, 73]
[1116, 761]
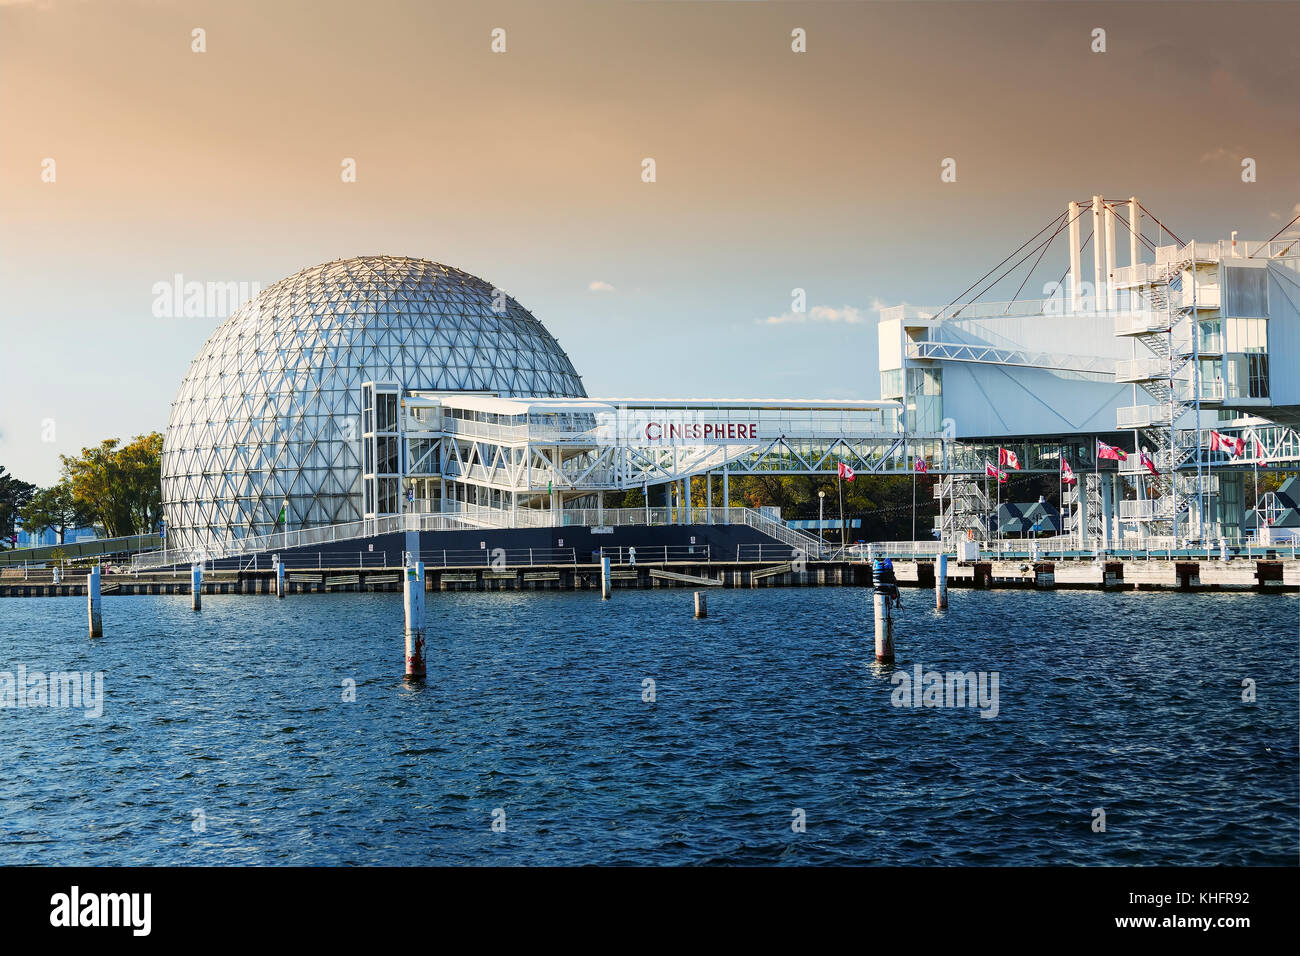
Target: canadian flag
[921, 465]
[992, 472]
[1233, 446]
[1148, 464]
[1110, 451]
[1259, 445]
[845, 472]
[1067, 473]
[1007, 458]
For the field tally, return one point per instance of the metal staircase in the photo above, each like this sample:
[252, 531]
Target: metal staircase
[1168, 331]
[963, 506]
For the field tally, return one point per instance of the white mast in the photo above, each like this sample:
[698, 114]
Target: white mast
[1072, 215]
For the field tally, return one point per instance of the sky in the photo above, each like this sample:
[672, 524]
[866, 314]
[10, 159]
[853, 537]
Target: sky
[775, 170]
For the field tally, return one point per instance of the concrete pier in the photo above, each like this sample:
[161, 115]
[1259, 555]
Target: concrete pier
[701, 604]
[196, 587]
[1239, 574]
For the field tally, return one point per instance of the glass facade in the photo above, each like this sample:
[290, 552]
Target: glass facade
[270, 413]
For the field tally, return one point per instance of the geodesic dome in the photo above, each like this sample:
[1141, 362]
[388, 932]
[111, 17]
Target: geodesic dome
[270, 409]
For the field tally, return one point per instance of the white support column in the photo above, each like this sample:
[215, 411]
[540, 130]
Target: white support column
[1135, 230]
[1081, 510]
[279, 575]
[604, 578]
[726, 494]
[1116, 496]
[1072, 216]
[941, 582]
[1098, 253]
[196, 586]
[1107, 507]
[708, 497]
[1112, 299]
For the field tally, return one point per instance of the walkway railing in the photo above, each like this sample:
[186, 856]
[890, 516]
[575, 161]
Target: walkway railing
[474, 517]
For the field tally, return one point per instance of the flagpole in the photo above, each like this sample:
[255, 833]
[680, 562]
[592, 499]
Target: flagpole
[843, 542]
[914, 505]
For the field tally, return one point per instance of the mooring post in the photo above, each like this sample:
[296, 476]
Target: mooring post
[196, 586]
[413, 603]
[701, 604]
[884, 628]
[92, 603]
[941, 582]
[279, 576]
[604, 577]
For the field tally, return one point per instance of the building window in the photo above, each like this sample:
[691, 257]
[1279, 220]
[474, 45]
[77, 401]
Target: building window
[1257, 364]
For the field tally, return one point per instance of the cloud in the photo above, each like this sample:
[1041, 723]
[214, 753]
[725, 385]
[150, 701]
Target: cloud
[599, 286]
[1222, 152]
[845, 314]
[1295, 211]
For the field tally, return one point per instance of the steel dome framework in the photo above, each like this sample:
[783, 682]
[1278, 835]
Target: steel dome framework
[269, 414]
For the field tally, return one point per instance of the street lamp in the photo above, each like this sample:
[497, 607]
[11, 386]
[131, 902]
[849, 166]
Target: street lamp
[821, 506]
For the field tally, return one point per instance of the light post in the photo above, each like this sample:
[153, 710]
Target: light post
[821, 510]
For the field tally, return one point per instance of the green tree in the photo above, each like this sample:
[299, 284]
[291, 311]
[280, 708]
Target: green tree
[14, 494]
[119, 486]
[54, 508]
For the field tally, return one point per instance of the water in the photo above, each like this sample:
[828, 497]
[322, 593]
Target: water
[225, 738]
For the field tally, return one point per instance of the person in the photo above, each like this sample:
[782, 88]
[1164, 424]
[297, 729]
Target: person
[882, 575]
[631, 556]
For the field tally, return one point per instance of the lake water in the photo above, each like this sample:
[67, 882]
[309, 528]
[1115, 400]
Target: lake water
[225, 737]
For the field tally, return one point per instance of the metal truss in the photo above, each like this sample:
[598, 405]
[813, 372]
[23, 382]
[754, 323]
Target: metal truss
[991, 355]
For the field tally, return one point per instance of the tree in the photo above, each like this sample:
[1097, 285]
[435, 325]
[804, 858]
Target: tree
[119, 487]
[14, 494]
[54, 508]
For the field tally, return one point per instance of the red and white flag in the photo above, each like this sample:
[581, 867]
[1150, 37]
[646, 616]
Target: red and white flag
[921, 465]
[1233, 446]
[1007, 458]
[1110, 451]
[1259, 445]
[1148, 464]
[991, 472]
[1067, 473]
[845, 472]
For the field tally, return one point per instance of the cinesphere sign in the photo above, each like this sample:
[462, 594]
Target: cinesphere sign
[635, 428]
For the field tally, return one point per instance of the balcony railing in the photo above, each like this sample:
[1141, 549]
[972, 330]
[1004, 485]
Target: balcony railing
[1141, 416]
[1141, 322]
[1141, 370]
